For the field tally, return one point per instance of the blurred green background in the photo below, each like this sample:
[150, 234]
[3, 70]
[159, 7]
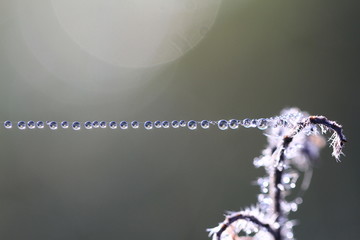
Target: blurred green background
[149, 60]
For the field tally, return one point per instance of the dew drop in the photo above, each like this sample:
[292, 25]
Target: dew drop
[31, 124]
[76, 126]
[276, 225]
[283, 123]
[223, 124]
[233, 124]
[53, 125]
[113, 125]
[254, 123]
[40, 124]
[157, 124]
[289, 235]
[64, 124]
[123, 125]
[165, 124]
[182, 123]
[192, 125]
[205, 124]
[258, 162]
[135, 124]
[294, 207]
[8, 124]
[21, 125]
[298, 201]
[286, 180]
[148, 125]
[265, 202]
[281, 187]
[246, 122]
[175, 124]
[102, 124]
[273, 122]
[95, 124]
[88, 125]
[262, 124]
[264, 184]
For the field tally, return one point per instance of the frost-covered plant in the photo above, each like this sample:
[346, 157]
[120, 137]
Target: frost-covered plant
[294, 141]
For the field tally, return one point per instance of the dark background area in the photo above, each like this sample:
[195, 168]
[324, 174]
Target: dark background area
[255, 59]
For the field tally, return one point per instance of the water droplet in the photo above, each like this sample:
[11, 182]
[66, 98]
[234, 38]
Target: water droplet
[205, 124]
[265, 202]
[294, 207]
[102, 124]
[95, 124]
[223, 124]
[148, 125]
[246, 122]
[113, 125]
[281, 187]
[254, 123]
[157, 124]
[192, 125]
[53, 125]
[262, 124]
[289, 179]
[276, 225]
[135, 124]
[8, 124]
[88, 125]
[40, 124]
[233, 124]
[283, 123]
[258, 162]
[64, 124]
[286, 180]
[289, 235]
[175, 124]
[76, 126]
[124, 125]
[182, 123]
[273, 122]
[264, 184]
[21, 125]
[31, 124]
[165, 124]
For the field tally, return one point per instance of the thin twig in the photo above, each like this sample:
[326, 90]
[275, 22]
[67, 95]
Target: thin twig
[250, 218]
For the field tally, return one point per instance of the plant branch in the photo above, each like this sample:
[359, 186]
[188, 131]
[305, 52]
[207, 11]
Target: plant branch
[229, 220]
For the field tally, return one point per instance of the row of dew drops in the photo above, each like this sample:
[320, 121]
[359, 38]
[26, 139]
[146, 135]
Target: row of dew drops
[261, 123]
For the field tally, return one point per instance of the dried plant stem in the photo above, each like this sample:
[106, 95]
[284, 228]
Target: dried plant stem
[249, 218]
[283, 159]
[277, 170]
[275, 185]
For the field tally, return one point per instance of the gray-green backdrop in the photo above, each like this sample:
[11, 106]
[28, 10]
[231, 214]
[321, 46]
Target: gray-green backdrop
[157, 59]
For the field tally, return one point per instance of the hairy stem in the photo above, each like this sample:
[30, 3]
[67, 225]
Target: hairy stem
[273, 218]
[275, 184]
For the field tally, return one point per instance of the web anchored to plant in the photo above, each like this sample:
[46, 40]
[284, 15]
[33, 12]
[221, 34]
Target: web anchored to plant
[291, 150]
[294, 142]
